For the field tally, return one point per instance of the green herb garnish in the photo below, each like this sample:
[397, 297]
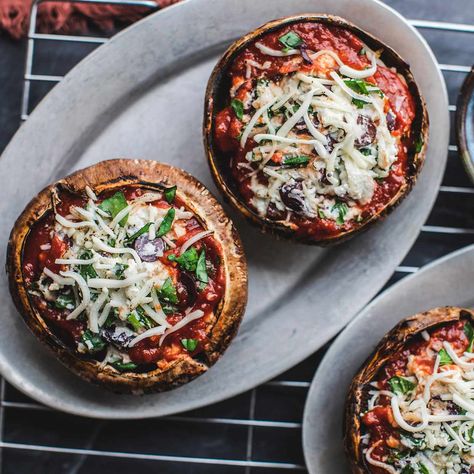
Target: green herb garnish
[238, 107]
[93, 342]
[87, 271]
[444, 358]
[123, 366]
[469, 332]
[138, 320]
[137, 234]
[295, 160]
[408, 470]
[359, 103]
[166, 223]
[341, 209]
[321, 214]
[187, 261]
[290, 41]
[201, 270]
[419, 145]
[111, 318]
[170, 194]
[167, 292]
[119, 269]
[423, 469]
[366, 151]
[189, 344]
[401, 385]
[114, 204]
[65, 301]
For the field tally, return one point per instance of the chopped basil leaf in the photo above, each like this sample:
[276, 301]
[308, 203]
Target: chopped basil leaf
[65, 301]
[114, 204]
[123, 366]
[321, 214]
[166, 223]
[401, 385]
[137, 234]
[111, 242]
[423, 469]
[167, 292]
[419, 145]
[189, 344]
[366, 151]
[201, 270]
[87, 271]
[444, 357]
[93, 342]
[359, 103]
[238, 107]
[170, 194]
[138, 320]
[119, 269]
[358, 85]
[469, 332]
[295, 160]
[113, 315]
[290, 41]
[341, 209]
[187, 261]
[408, 470]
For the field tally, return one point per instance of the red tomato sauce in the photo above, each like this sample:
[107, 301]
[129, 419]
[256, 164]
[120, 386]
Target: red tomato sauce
[315, 37]
[379, 421]
[36, 256]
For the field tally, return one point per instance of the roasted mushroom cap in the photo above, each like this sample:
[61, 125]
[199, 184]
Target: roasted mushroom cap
[393, 342]
[217, 97]
[107, 176]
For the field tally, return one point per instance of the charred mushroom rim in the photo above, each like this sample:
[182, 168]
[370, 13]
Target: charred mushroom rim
[131, 272]
[410, 408]
[313, 128]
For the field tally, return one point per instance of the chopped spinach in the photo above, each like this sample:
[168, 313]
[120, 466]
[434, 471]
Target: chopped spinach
[341, 209]
[290, 40]
[187, 261]
[166, 223]
[401, 385]
[65, 301]
[119, 269]
[189, 344]
[168, 296]
[238, 107]
[359, 103]
[469, 332]
[201, 270]
[138, 320]
[137, 234]
[123, 366]
[114, 204]
[419, 145]
[170, 194]
[444, 357]
[87, 271]
[295, 160]
[93, 342]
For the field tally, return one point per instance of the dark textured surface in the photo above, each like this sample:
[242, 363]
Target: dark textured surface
[41, 441]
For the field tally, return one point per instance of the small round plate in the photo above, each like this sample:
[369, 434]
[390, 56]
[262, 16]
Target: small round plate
[446, 282]
[465, 123]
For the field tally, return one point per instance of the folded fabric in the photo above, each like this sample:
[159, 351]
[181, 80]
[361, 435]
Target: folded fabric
[70, 17]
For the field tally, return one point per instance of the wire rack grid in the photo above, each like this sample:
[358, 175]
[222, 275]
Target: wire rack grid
[256, 432]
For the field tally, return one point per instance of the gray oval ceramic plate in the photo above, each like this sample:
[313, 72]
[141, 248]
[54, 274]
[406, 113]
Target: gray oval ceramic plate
[141, 95]
[446, 282]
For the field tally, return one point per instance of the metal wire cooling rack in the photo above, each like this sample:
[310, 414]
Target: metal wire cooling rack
[259, 431]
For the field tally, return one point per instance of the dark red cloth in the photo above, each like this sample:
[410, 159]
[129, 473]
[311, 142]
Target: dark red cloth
[69, 17]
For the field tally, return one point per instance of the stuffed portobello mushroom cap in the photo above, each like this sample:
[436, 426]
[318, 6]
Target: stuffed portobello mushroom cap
[384, 429]
[275, 130]
[161, 300]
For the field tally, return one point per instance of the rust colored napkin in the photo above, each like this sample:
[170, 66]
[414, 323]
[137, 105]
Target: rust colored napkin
[68, 17]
